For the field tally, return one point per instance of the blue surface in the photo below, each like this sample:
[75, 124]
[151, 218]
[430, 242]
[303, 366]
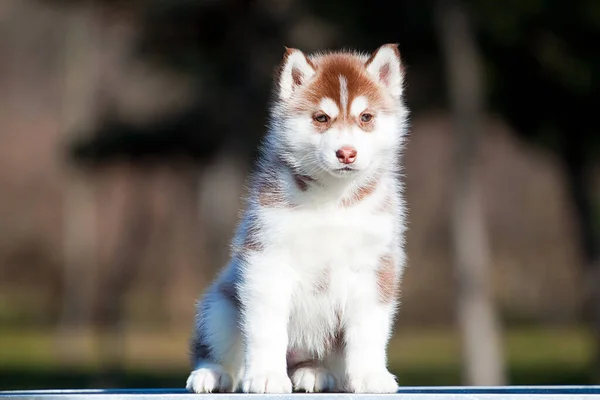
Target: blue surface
[506, 390]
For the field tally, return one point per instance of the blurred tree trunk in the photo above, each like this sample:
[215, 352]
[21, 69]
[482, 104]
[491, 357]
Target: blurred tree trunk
[577, 168]
[79, 210]
[477, 317]
[176, 251]
[185, 245]
[121, 272]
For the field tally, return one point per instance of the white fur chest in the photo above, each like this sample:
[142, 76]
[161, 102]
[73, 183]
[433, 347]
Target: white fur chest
[332, 254]
[316, 239]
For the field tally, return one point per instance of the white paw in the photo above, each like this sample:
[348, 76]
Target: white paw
[266, 383]
[374, 382]
[313, 379]
[208, 379]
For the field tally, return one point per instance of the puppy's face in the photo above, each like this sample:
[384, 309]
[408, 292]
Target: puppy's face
[340, 113]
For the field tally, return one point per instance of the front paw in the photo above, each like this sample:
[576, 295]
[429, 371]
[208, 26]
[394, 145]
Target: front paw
[266, 383]
[372, 382]
[208, 379]
[312, 379]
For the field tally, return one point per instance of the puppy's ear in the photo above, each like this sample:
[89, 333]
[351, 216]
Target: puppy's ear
[386, 68]
[295, 71]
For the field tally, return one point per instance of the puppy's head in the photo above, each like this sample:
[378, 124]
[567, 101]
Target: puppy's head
[340, 113]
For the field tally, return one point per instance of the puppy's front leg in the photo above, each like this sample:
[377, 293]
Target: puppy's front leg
[367, 331]
[266, 294]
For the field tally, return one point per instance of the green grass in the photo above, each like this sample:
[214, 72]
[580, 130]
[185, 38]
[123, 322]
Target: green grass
[29, 360]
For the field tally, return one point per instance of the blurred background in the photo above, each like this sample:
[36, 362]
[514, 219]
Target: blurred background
[128, 127]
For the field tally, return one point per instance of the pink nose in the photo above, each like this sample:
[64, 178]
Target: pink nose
[346, 155]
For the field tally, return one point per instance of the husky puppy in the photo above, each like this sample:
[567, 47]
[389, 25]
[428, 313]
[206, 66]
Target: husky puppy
[308, 299]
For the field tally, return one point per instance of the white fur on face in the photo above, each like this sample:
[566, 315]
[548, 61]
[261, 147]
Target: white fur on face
[359, 105]
[343, 92]
[349, 136]
[329, 107]
[318, 150]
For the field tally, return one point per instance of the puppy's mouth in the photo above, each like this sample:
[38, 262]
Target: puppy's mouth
[343, 171]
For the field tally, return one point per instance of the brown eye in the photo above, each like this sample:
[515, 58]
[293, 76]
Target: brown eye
[366, 117]
[321, 118]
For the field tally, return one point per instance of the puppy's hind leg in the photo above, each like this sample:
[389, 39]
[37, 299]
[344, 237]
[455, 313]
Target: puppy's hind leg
[216, 348]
